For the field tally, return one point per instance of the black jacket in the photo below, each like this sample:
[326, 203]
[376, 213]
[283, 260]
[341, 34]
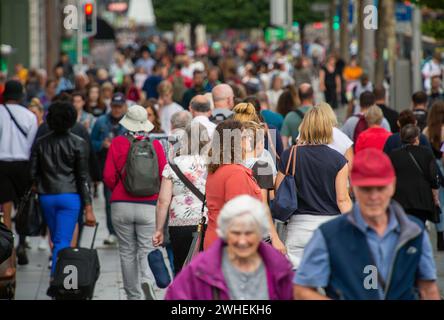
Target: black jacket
[413, 187]
[59, 164]
[79, 130]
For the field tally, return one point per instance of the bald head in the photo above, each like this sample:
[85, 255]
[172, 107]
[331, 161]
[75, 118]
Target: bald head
[306, 94]
[223, 96]
[200, 105]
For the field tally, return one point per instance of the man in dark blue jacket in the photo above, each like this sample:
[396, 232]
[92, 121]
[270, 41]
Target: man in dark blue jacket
[375, 251]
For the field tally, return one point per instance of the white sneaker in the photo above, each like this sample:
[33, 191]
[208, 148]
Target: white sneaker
[148, 291]
[111, 240]
[43, 244]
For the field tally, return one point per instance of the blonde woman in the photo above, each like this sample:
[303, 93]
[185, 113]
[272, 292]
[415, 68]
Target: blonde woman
[36, 107]
[321, 178]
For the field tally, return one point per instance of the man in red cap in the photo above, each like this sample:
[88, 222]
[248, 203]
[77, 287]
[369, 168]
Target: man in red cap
[375, 251]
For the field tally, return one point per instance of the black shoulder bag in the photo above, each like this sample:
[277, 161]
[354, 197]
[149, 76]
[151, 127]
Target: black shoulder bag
[198, 235]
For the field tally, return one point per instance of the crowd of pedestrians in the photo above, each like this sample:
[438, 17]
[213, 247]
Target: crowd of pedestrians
[178, 138]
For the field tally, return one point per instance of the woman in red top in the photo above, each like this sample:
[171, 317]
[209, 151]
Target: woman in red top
[133, 218]
[227, 177]
[375, 136]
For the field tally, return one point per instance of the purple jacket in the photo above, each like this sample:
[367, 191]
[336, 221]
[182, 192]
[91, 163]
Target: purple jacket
[196, 281]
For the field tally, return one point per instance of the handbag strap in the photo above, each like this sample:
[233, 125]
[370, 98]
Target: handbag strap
[416, 163]
[188, 183]
[15, 121]
[291, 157]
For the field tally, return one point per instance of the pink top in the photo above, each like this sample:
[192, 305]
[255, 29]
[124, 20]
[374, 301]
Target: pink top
[115, 161]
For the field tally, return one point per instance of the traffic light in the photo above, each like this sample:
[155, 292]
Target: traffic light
[336, 22]
[90, 19]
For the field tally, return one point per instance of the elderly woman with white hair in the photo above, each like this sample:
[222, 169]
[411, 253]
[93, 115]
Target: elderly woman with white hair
[239, 265]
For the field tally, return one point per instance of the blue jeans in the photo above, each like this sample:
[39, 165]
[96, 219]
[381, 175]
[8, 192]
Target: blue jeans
[109, 223]
[61, 213]
[440, 226]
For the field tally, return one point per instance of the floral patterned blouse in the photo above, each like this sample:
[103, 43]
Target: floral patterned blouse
[185, 207]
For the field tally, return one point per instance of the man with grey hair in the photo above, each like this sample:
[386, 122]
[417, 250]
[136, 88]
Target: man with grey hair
[201, 111]
[223, 99]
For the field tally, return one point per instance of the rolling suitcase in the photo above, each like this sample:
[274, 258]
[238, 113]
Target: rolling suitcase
[76, 274]
[8, 271]
[8, 265]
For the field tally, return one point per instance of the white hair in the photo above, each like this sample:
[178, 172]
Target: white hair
[252, 210]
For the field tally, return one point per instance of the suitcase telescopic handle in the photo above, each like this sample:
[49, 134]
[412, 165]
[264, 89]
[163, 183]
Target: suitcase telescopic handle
[94, 236]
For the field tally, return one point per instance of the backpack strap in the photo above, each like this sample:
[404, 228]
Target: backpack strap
[16, 123]
[300, 114]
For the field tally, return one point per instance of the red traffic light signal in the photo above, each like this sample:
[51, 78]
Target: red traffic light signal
[88, 9]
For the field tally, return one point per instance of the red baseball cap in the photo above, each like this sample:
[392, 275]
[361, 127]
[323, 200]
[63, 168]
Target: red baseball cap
[372, 168]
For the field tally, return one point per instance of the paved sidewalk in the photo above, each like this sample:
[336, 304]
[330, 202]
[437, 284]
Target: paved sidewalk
[33, 279]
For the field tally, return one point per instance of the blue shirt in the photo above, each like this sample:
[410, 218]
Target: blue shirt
[150, 86]
[314, 270]
[105, 128]
[273, 118]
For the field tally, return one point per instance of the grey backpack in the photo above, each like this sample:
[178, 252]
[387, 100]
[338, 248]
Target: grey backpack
[142, 169]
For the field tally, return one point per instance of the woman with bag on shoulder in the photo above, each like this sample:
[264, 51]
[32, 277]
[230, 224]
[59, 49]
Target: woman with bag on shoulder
[321, 176]
[417, 178]
[239, 265]
[435, 133]
[59, 174]
[179, 198]
[133, 211]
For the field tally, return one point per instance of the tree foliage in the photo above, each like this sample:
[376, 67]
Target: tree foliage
[221, 14]
[435, 27]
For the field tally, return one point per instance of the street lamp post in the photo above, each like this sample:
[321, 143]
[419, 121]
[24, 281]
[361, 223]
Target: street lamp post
[80, 35]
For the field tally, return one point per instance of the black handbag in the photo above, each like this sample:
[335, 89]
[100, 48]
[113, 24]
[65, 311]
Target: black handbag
[6, 242]
[29, 219]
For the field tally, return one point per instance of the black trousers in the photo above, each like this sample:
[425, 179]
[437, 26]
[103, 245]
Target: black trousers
[181, 238]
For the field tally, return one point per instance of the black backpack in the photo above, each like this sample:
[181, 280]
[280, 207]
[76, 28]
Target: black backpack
[142, 169]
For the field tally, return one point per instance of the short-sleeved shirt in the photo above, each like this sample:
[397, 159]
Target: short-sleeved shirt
[185, 207]
[341, 143]
[228, 182]
[314, 270]
[316, 169]
[292, 121]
